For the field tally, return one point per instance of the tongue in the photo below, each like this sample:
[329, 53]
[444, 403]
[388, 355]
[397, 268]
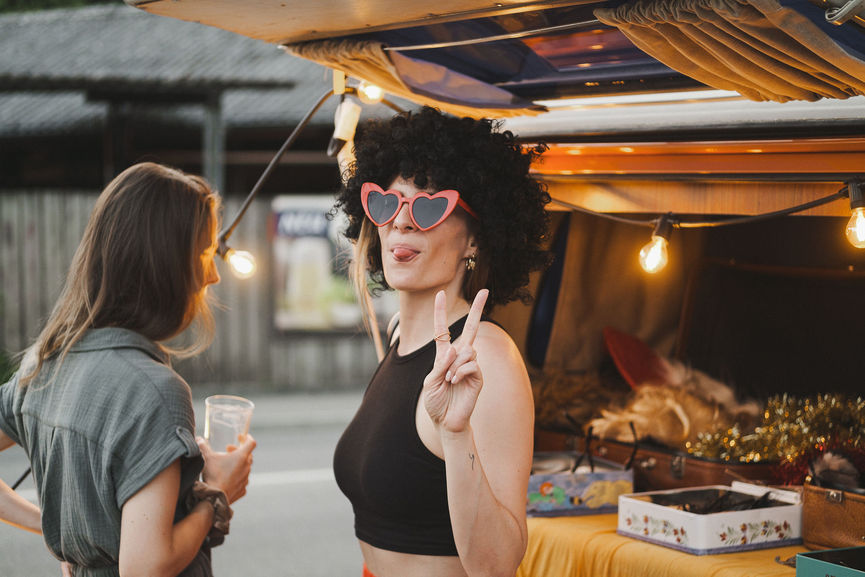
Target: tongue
[403, 253]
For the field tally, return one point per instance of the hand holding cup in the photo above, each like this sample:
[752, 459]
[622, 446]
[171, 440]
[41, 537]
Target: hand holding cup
[228, 471]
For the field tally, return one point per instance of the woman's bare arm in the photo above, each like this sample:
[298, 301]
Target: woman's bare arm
[484, 414]
[15, 509]
[151, 544]
[488, 465]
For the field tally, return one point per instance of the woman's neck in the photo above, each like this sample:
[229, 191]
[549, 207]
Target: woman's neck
[416, 314]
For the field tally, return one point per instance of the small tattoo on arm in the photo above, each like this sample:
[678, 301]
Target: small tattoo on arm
[472, 457]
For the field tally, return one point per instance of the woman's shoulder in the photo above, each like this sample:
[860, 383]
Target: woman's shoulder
[505, 401]
[143, 368]
[493, 336]
[500, 359]
[152, 392]
[135, 378]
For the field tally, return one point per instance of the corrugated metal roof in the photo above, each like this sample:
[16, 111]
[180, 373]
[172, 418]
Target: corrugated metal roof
[31, 113]
[43, 113]
[50, 58]
[28, 113]
[124, 45]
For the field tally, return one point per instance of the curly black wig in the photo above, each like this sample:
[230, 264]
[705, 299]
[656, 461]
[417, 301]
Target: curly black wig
[488, 168]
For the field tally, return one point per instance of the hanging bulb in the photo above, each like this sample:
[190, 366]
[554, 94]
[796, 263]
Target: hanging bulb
[856, 228]
[242, 263]
[856, 225]
[653, 256]
[369, 93]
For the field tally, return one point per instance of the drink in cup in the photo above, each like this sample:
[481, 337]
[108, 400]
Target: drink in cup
[226, 417]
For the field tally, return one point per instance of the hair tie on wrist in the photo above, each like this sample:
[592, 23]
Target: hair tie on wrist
[222, 512]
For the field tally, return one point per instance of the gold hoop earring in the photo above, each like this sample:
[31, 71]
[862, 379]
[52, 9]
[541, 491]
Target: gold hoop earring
[471, 262]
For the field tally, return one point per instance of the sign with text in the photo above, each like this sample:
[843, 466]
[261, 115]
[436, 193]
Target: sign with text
[310, 268]
[310, 259]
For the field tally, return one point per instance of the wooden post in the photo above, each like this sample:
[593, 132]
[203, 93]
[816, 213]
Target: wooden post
[213, 145]
[115, 140]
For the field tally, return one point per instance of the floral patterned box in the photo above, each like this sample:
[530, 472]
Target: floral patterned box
[706, 534]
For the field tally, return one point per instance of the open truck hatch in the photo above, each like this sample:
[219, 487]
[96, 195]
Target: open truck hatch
[513, 58]
[706, 107]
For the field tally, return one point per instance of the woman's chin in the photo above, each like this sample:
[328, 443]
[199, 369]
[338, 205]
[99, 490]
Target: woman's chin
[401, 283]
[405, 280]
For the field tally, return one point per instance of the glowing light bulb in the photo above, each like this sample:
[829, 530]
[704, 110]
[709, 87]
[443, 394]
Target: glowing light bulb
[653, 256]
[369, 93]
[856, 225]
[856, 228]
[241, 262]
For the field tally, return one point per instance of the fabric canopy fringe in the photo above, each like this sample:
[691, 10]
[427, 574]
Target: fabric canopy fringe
[759, 48]
[416, 80]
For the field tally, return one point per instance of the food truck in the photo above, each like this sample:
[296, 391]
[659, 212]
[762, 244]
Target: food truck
[706, 166]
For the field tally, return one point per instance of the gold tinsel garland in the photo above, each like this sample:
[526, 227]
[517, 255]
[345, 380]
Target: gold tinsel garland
[791, 427]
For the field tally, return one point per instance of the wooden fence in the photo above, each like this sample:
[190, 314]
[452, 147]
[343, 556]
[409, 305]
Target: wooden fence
[39, 232]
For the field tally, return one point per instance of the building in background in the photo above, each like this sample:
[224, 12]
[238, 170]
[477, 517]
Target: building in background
[86, 92]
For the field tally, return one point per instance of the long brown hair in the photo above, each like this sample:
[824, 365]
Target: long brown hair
[138, 265]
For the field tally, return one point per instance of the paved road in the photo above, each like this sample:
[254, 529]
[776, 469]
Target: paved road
[293, 522]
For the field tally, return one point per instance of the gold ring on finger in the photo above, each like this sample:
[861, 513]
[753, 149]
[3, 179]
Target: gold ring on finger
[443, 337]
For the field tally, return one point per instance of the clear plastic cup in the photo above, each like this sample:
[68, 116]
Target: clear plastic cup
[226, 420]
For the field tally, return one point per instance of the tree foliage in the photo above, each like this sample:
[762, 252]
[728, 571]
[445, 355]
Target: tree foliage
[33, 5]
[7, 367]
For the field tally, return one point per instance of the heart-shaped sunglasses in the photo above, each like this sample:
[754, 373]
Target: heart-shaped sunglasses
[425, 210]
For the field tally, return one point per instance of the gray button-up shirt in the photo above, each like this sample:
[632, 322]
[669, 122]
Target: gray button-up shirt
[114, 416]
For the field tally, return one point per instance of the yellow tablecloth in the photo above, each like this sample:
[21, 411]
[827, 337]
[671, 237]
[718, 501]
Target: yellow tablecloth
[588, 546]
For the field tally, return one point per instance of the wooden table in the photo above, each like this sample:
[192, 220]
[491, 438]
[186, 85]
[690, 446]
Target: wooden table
[588, 546]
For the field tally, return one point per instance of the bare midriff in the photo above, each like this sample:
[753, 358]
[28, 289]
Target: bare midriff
[383, 563]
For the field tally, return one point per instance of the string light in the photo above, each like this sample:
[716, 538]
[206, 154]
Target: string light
[242, 263]
[369, 93]
[653, 256]
[856, 225]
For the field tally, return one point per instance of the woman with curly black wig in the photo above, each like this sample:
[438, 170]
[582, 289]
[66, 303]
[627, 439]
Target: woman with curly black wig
[436, 461]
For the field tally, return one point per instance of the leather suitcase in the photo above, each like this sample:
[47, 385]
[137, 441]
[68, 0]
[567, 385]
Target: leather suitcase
[659, 468]
[832, 518]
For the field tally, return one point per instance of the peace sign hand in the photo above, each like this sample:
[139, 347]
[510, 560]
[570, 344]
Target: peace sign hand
[451, 388]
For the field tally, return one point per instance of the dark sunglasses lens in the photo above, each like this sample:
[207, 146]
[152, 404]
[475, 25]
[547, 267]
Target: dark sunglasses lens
[381, 206]
[428, 211]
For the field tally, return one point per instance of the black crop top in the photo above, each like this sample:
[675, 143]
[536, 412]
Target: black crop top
[395, 484]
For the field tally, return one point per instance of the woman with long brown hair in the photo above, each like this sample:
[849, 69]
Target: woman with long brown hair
[106, 422]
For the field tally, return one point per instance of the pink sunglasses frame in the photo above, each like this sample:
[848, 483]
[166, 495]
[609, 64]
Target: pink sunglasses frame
[452, 196]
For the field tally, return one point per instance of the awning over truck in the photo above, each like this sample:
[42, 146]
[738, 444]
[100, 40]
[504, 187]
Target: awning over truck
[514, 57]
